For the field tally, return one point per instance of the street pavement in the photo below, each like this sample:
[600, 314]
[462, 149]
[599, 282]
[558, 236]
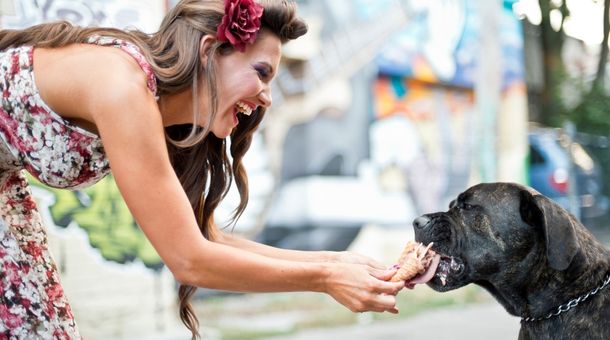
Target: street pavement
[472, 322]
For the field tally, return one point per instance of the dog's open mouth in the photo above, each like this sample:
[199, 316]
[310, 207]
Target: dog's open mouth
[441, 273]
[419, 264]
[427, 275]
[448, 266]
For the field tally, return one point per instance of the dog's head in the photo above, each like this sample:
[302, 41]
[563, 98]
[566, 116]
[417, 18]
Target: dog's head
[497, 233]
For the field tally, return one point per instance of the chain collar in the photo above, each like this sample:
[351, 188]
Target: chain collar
[570, 304]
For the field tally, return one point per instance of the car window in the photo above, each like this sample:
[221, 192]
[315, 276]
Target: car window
[535, 157]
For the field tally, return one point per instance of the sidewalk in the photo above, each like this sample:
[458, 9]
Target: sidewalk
[473, 322]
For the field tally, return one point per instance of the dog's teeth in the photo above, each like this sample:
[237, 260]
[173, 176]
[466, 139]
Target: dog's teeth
[442, 275]
[455, 266]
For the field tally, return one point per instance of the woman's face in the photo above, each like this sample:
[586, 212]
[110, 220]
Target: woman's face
[244, 81]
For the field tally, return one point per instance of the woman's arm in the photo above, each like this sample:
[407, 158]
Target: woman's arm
[296, 255]
[115, 95]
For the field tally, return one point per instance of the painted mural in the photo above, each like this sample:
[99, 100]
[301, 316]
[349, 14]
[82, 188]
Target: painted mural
[102, 213]
[427, 81]
[434, 132]
[141, 14]
[441, 44]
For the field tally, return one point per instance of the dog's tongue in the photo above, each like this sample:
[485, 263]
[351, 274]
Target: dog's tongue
[427, 275]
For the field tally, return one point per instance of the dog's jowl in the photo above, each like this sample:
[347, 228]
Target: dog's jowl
[535, 258]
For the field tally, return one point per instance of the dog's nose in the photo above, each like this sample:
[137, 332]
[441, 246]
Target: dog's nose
[421, 222]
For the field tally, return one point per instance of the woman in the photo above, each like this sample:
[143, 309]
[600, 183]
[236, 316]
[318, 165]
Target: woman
[156, 110]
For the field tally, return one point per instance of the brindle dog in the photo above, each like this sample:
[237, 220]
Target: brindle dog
[535, 258]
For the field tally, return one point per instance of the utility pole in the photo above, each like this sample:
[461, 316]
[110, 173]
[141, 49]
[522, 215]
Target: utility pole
[488, 84]
[573, 196]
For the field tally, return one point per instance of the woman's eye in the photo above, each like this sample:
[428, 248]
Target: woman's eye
[263, 72]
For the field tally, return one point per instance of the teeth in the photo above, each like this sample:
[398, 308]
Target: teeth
[447, 266]
[243, 108]
[455, 266]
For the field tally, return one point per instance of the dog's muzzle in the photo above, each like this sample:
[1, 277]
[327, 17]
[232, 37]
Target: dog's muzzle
[422, 222]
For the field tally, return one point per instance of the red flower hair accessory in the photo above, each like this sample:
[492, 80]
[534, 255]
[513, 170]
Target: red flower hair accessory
[241, 23]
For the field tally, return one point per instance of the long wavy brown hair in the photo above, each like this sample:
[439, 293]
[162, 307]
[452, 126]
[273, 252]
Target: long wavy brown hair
[199, 158]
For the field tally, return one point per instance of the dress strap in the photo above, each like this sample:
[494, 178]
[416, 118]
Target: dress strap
[133, 51]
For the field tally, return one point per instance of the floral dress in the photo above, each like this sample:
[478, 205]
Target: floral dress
[35, 139]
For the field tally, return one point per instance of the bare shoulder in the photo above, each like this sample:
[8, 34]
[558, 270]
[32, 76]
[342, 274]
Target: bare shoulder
[74, 80]
[105, 89]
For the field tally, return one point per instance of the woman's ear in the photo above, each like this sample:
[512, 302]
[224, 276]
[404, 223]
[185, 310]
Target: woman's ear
[205, 44]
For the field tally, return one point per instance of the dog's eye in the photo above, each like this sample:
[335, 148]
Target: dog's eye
[467, 206]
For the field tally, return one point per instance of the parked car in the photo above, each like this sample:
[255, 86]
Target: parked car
[549, 173]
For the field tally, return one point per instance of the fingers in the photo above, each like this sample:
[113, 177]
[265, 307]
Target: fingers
[388, 288]
[384, 286]
[383, 274]
[380, 303]
[384, 292]
[365, 289]
[388, 303]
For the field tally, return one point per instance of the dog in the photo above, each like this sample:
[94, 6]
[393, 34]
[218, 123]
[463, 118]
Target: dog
[537, 260]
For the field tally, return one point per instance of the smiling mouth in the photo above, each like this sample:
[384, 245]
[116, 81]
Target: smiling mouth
[244, 108]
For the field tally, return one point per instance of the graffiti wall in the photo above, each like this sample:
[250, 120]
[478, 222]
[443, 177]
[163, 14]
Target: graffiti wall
[431, 134]
[101, 212]
[428, 72]
[144, 15]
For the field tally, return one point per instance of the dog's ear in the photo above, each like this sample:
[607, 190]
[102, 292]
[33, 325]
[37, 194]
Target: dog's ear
[556, 223]
[529, 210]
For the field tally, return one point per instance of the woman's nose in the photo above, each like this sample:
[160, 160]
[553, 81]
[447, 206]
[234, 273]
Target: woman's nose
[265, 97]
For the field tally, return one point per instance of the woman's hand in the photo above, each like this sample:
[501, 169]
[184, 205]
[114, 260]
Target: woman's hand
[355, 258]
[362, 288]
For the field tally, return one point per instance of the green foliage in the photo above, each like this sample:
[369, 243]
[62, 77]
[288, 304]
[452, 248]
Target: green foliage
[592, 114]
[555, 111]
[102, 213]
